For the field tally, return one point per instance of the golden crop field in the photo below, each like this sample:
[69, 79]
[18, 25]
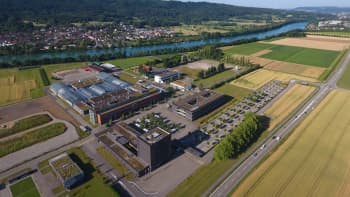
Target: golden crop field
[287, 103]
[298, 69]
[18, 85]
[257, 79]
[312, 43]
[315, 159]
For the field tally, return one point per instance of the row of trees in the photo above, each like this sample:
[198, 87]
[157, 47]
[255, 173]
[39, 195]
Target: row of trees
[210, 52]
[241, 61]
[178, 59]
[239, 139]
[211, 71]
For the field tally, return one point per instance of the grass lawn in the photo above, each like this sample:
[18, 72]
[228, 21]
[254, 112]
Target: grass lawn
[247, 49]
[18, 85]
[192, 73]
[202, 179]
[28, 139]
[344, 81]
[207, 82]
[25, 124]
[130, 62]
[24, 188]
[128, 77]
[306, 56]
[313, 161]
[94, 184]
[236, 92]
[115, 163]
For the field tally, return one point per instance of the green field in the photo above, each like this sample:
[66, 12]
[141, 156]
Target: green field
[306, 56]
[18, 85]
[331, 33]
[130, 62]
[236, 92]
[121, 168]
[25, 123]
[344, 81]
[246, 49]
[208, 82]
[299, 55]
[28, 139]
[313, 161]
[24, 188]
[202, 179]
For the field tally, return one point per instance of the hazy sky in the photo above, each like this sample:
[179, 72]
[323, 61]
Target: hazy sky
[283, 3]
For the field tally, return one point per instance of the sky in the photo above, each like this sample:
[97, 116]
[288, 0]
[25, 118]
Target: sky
[283, 4]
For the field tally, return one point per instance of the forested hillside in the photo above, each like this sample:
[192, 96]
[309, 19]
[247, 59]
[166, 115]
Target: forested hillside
[137, 12]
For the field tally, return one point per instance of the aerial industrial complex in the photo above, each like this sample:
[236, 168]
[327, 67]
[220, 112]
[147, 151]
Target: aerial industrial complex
[105, 97]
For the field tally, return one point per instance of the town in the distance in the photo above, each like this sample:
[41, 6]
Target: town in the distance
[173, 98]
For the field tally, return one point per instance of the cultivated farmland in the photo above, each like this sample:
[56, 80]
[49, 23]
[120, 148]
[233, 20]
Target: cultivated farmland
[257, 79]
[312, 57]
[17, 85]
[312, 43]
[247, 49]
[344, 34]
[314, 161]
[286, 104]
[344, 81]
[298, 69]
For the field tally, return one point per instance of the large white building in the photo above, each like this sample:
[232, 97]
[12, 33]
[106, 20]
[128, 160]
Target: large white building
[181, 85]
[166, 77]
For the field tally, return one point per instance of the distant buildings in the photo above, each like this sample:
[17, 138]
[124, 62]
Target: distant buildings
[68, 172]
[195, 105]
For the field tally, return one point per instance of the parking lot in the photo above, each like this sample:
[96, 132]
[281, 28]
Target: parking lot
[184, 126]
[233, 116]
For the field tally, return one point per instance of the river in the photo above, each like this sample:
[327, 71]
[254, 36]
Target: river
[131, 51]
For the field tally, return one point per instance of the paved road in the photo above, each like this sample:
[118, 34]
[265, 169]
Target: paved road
[244, 168]
[25, 154]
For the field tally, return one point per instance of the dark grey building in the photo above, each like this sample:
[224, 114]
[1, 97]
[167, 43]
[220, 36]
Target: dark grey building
[198, 104]
[154, 147]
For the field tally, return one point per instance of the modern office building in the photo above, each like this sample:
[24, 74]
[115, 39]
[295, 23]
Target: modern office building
[200, 103]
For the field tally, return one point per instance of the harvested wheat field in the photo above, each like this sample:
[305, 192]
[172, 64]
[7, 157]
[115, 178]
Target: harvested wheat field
[11, 92]
[313, 43]
[315, 159]
[328, 38]
[257, 79]
[256, 60]
[288, 103]
[17, 85]
[298, 69]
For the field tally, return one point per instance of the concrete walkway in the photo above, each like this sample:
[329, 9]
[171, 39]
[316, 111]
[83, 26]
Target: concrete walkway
[31, 129]
[20, 156]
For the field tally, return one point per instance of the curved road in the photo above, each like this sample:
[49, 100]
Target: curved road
[252, 160]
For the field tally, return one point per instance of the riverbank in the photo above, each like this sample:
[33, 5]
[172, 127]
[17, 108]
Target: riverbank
[104, 54]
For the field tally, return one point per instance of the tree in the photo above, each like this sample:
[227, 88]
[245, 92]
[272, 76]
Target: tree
[201, 74]
[239, 139]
